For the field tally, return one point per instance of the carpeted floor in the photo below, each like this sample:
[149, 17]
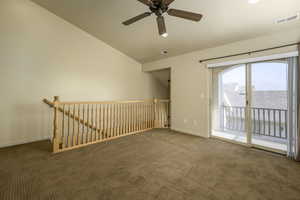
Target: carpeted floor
[159, 164]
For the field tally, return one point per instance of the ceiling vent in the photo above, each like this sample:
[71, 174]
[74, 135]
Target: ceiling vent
[288, 19]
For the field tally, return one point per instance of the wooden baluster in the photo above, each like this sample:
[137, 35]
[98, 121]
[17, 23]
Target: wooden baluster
[105, 121]
[166, 115]
[140, 116]
[100, 121]
[83, 127]
[147, 115]
[63, 135]
[127, 118]
[153, 115]
[73, 134]
[56, 135]
[144, 115]
[109, 119]
[92, 124]
[163, 110]
[160, 114]
[121, 119]
[68, 137]
[96, 123]
[117, 119]
[88, 121]
[133, 117]
[129, 121]
[137, 117]
[114, 120]
[78, 126]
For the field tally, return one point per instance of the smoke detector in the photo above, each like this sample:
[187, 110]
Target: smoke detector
[288, 19]
[164, 52]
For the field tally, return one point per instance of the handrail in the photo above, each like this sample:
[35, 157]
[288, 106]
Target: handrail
[111, 102]
[51, 104]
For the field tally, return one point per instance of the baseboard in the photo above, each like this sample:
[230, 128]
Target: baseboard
[187, 132]
[11, 144]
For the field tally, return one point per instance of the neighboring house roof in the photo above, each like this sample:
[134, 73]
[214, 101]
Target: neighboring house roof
[260, 99]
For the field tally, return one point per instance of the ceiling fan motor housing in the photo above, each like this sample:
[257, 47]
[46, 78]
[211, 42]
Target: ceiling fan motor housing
[158, 8]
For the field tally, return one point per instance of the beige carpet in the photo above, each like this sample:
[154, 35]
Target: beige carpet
[159, 164]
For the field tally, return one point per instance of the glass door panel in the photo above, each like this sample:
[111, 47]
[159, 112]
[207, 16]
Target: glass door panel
[231, 107]
[269, 90]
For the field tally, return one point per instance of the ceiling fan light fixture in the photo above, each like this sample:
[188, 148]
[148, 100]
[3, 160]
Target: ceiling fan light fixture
[253, 1]
[165, 35]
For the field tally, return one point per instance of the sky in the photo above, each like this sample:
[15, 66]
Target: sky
[265, 76]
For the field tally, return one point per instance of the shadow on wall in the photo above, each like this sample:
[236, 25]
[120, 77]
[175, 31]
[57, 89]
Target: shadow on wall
[31, 122]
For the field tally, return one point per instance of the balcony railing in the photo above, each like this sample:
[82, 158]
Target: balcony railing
[264, 121]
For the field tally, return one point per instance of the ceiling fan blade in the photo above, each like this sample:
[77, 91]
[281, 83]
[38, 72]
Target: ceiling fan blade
[185, 14]
[147, 2]
[168, 2]
[161, 26]
[137, 18]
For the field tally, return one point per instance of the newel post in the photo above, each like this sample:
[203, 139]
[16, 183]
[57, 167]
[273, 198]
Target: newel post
[155, 113]
[56, 139]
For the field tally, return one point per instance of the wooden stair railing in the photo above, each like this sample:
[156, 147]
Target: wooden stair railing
[78, 124]
[73, 116]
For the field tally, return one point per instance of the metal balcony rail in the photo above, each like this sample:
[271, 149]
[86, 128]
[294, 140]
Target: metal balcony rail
[264, 121]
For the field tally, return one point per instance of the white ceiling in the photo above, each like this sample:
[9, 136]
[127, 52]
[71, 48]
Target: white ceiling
[224, 21]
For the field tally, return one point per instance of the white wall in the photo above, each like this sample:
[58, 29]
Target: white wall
[190, 80]
[42, 55]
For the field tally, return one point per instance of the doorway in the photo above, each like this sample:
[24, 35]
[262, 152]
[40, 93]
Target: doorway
[250, 104]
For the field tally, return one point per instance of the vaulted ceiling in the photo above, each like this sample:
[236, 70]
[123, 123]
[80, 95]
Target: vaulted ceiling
[224, 21]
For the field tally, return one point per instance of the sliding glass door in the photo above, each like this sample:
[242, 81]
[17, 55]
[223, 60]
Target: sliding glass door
[269, 104]
[250, 104]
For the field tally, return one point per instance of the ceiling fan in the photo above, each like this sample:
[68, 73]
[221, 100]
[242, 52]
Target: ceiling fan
[159, 7]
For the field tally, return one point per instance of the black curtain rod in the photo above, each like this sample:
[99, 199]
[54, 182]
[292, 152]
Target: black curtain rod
[250, 52]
